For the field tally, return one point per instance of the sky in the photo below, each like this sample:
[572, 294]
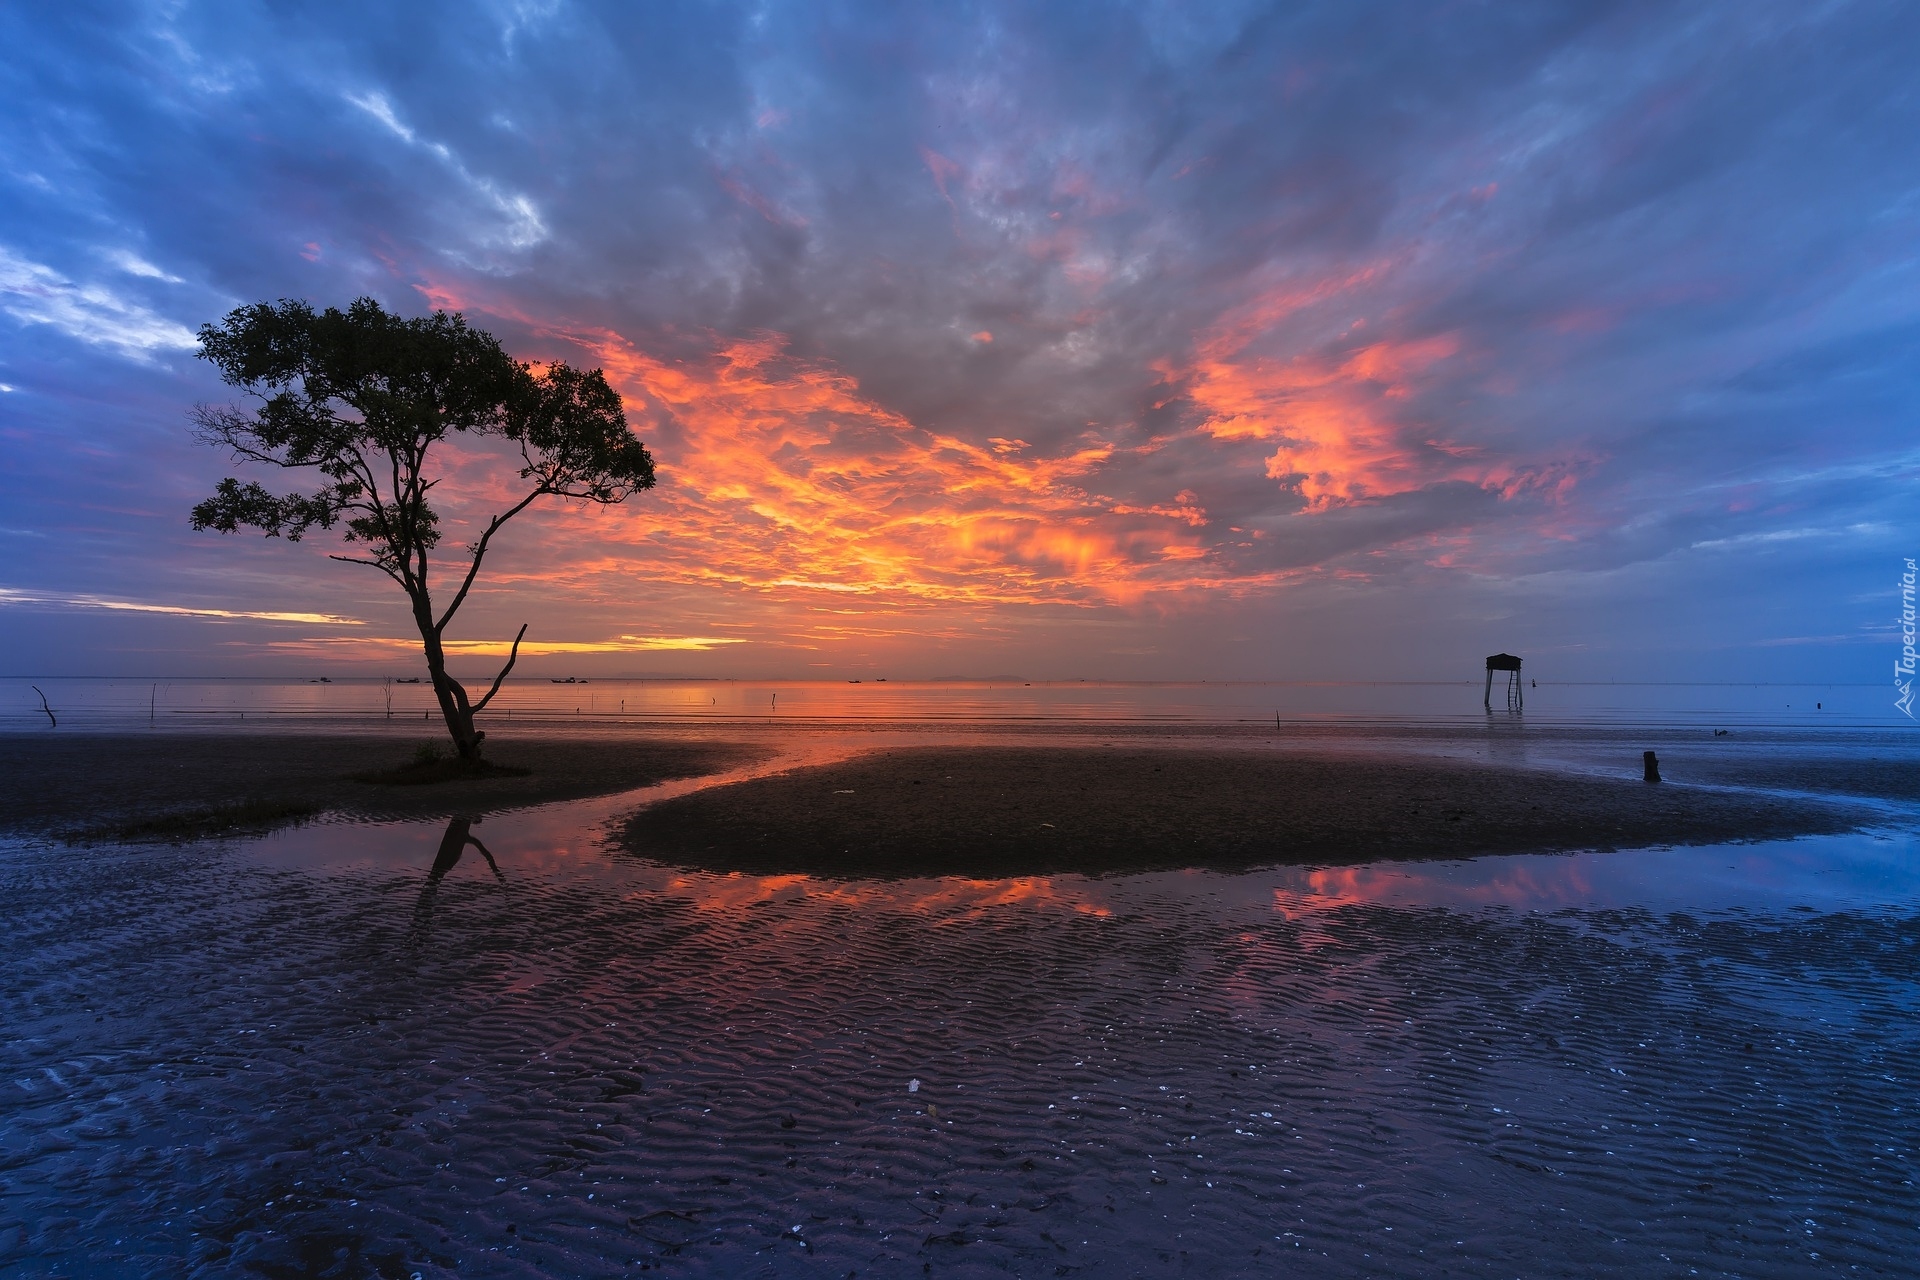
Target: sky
[1149, 340]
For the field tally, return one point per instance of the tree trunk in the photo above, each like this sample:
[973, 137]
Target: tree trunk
[451, 694]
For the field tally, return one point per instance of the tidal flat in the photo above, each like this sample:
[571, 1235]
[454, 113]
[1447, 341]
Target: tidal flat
[681, 1025]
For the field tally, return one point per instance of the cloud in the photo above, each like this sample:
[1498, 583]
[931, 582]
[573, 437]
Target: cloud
[361, 646]
[521, 226]
[789, 476]
[11, 596]
[32, 293]
[625, 644]
[953, 322]
[135, 265]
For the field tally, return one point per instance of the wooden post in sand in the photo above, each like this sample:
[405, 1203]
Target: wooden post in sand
[1516, 701]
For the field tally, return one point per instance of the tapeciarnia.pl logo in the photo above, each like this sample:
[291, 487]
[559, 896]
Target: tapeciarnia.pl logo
[1903, 665]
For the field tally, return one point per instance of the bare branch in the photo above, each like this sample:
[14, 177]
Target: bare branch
[356, 560]
[379, 511]
[512, 657]
[479, 551]
[225, 427]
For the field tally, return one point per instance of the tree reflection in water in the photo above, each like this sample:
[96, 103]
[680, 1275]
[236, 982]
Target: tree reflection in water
[453, 845]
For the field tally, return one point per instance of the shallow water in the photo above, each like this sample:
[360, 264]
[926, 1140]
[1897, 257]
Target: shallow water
[308, 1055]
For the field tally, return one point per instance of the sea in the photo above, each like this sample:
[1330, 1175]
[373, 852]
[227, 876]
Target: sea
[183, 703]
[318, 1053]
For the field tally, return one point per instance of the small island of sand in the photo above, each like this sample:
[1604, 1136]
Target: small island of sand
[1010, 811]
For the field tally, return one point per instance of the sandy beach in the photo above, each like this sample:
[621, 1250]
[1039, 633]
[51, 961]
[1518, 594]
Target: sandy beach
[598, 1066]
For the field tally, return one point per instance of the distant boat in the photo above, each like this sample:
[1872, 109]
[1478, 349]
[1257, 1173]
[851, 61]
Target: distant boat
[408, 680]
[568, 680]
[853, 682]
[879, 679]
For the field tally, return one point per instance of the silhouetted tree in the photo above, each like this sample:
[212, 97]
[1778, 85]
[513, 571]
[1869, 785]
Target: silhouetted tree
[361, 397]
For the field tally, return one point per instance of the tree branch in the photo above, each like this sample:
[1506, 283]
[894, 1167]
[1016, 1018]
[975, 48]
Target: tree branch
[512, 657]
[479, 551]
[373, 563]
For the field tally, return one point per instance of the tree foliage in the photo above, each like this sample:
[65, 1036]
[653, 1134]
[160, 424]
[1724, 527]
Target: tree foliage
[361, 397]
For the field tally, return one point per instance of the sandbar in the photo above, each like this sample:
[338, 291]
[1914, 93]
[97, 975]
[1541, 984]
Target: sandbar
[991, 811]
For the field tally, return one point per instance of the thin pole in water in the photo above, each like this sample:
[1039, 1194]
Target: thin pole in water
[153, 700]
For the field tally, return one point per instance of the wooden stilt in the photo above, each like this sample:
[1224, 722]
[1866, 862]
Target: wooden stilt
[1516, 700]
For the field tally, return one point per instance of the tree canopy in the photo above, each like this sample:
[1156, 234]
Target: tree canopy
[360, 397]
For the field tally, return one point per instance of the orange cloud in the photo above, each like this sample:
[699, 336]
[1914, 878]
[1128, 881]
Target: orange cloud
[1333, 417]
[785, 476]
[783, 479]
[1340, 414]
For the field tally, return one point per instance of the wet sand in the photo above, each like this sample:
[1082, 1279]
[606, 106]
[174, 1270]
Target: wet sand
[227, 1058]
[216, 1066]
[95, 784]
[1147, 801]
[987, 811]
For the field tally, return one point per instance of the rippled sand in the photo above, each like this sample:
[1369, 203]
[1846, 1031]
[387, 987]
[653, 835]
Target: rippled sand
[315, 1058]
